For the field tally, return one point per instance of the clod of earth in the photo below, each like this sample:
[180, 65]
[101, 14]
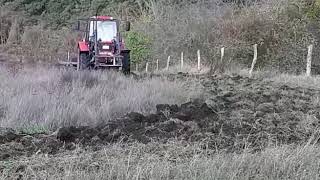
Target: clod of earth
[170, 121]
[7, 135]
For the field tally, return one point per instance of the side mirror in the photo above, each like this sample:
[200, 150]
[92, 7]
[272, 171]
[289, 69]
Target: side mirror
[77, 26]
[128, 25]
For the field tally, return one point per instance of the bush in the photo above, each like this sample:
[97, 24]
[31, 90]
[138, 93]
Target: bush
[139, 44]
[312, 9]
[210, 25]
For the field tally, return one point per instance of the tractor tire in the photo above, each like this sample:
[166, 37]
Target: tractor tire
[84, 61]
[125, 61]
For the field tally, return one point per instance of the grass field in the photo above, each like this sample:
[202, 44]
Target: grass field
[169, 161]
[217, 123]
[51, 98]
[42, 99]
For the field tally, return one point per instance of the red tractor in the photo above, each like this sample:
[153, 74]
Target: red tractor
[102, 45]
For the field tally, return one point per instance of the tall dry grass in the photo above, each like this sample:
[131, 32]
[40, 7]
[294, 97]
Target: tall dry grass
[51, 97]
[169, 161]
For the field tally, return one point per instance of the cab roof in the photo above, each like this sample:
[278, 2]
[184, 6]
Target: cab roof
[103, 18]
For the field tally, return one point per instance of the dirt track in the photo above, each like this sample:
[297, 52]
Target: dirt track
[238, 113]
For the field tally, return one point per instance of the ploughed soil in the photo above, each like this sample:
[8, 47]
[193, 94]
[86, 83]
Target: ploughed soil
[237, 113]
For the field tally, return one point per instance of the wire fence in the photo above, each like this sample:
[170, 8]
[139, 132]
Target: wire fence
[299, 60]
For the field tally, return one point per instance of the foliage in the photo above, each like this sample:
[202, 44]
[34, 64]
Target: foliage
[139, 44]
[56, 13]
[282, 28]
[209, 26]
[312, 9]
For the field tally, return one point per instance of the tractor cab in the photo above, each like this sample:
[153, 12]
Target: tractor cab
[102, 45]
[105, 31]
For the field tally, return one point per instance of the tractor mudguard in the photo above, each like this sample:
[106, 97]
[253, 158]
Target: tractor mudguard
[125, 61]
[83, 47]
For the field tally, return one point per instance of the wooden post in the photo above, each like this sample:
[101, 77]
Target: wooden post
[309, 60]
[199, 60]
[157, 64]
[168, 62]
[221, 64]
[147, 66]
[181, 60]
[137, 67]
[69, 60]
[255, 57]
[78, 63]
[222, 54]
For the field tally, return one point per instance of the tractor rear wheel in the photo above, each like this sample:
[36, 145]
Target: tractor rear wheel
[83, 61]
[126, 61]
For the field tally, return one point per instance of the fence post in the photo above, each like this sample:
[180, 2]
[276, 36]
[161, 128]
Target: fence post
[181, 61]
[255, 57]
[221, 65]
[309, 60]
[168, 62]
[199, 60]
[222, 54]
[78, 63]
[137, 68]
[147, 66]
[157, 65]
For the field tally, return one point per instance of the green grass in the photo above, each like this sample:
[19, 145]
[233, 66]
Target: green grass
[31, 130]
